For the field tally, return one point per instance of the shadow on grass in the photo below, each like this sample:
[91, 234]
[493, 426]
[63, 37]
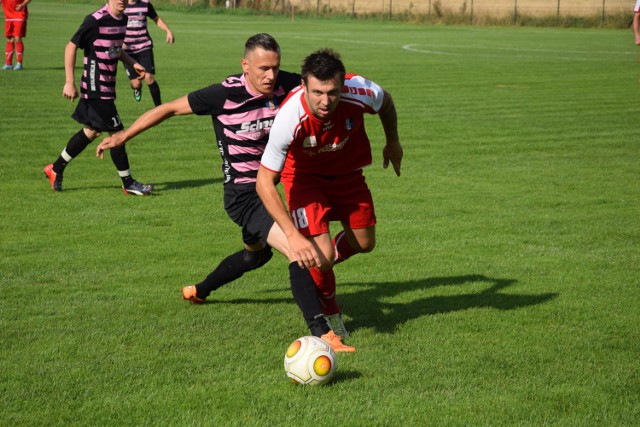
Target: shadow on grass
[369, 310]
[342, 376]
[157, 188]
[181, 185]
[368, 307]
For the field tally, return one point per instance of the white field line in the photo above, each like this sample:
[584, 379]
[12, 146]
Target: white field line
[482, 51]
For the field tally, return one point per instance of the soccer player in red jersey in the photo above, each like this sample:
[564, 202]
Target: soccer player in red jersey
[317, 147]
[15, 29]
[636, 22]
[101, 35]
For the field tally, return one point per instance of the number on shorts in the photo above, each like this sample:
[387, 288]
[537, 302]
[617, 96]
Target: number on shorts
[299, 217]
[116, 121]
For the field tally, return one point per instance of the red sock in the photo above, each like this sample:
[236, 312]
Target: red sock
[343, 249]
[326, 287]
[8, 55]
[19, 51]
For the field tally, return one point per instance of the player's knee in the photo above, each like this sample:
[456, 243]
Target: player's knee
[366, 245]
[369, 246]
[256, 259]
[91, 133]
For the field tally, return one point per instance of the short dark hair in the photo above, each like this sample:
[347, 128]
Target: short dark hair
[323, 64]
[261, 40]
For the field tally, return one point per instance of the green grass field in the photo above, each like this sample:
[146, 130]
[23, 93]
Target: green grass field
[503, 291]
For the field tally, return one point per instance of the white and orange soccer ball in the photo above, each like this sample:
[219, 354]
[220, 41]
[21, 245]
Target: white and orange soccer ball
[310, 361]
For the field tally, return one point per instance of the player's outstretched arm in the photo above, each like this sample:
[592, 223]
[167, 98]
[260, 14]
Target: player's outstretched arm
[70, 91]
[301, 249]
[148, 120]
[392, 151]
[636, 26]
[164, 27]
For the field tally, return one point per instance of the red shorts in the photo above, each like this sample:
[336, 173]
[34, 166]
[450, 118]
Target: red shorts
[15, 28]
[315, 201]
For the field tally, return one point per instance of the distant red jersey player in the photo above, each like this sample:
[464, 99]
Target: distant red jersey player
[15, 29]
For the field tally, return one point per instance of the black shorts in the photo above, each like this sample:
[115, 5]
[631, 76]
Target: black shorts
[98, 114]
[144, 58]
[245, 208]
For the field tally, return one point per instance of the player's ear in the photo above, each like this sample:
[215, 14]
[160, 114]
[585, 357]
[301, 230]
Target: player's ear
[245, 65]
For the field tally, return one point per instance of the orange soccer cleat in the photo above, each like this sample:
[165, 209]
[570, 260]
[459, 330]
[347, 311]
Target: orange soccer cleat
[189, 293]
[54, 178]
[336, 343]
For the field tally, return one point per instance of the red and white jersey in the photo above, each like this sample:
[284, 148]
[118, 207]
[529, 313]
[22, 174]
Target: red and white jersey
[10, 12]
[300, 143]
[636, 9]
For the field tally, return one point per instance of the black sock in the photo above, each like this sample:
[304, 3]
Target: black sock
[127, 181]
[155, 93]
[120, 158]
[229, 269]
[77, 143]
[305, 293]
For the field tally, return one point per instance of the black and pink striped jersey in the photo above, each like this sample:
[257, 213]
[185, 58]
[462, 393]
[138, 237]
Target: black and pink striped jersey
[101, 35]
[242, 121]
[138, 38]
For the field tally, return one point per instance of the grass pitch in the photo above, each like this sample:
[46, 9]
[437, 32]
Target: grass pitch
[504, 289]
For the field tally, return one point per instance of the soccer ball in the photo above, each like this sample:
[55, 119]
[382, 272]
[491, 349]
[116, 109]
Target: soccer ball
[310, 361]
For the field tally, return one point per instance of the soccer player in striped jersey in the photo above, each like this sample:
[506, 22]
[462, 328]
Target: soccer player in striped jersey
[242, 109]
[139, 46]
[101, 35]
[317, 147]
[16, 14]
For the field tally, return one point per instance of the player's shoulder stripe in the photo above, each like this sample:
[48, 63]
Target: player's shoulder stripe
[233, 81]
[294, 93]
[100, 12]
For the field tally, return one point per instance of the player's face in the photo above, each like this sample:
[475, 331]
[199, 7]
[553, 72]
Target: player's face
[322, 97]
[117, 6]
[261, 69]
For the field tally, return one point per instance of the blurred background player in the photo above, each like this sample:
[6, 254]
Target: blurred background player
[139, 46]
[15, 29]
[317, 147]
[101, 35]
[636, 22]
[242, 109]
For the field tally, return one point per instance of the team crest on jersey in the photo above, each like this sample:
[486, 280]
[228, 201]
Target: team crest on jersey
[310, 142]
[271, 103]
[136, 23]
[348, 124]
